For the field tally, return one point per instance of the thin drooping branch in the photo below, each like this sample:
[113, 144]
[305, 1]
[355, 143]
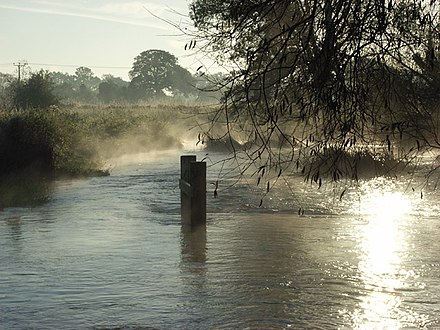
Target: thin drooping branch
[318, 86]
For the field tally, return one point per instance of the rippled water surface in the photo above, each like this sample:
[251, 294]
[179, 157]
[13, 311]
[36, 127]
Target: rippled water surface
[110, 252]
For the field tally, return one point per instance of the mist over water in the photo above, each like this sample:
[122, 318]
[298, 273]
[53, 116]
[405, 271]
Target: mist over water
[109, 252]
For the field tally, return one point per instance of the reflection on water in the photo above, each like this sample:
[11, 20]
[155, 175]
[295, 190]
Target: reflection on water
[24, 190]
[385, 253]
[110, 253]
[193, 244]
[382, 242]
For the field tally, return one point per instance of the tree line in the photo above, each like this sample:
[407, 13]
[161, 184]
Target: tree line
[155, 75]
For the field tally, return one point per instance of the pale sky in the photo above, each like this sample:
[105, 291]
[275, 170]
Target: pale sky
[104, 35]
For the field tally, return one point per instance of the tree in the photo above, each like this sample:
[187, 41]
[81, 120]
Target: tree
[157, 71]
[118, 81]
[64, 85]
[36, 92]
[85, 76]
[109, 91]
[6, 81]
[324, 80]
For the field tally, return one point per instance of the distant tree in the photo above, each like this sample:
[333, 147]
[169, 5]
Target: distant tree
[109, 91]
[118, 81]
[85, 77]
[64, 85]
[36, 92]
[6, 81]
[157, 71]
[112, 89]
[86, 84]
[61, 78]
[85, 94]
[184, 82]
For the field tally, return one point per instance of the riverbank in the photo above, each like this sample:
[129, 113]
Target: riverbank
[77, 140]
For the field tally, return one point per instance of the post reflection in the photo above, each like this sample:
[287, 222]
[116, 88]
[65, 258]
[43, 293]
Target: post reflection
[382, 242]
[193, 247]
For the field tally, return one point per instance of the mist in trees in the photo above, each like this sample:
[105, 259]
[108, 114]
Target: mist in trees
[155, 76]
[324, 85]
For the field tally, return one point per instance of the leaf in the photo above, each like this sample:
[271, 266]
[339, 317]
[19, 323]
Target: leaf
[342, 194]
[316, 177]
[261, 203]
[268, 186]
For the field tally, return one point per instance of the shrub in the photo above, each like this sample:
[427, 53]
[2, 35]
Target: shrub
[36, 92]
[48, 141]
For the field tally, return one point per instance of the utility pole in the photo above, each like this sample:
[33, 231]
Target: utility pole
[20, 65]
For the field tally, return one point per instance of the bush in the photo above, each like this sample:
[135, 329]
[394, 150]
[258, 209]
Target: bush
[76, 141]
[46, 141]
[336, 164]
[37, 92]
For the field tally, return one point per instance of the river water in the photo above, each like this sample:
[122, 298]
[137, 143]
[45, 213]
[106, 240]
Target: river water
[110, 253]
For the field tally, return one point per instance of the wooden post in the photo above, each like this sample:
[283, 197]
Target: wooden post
[192, 191]
[185, 188]
[198, 199]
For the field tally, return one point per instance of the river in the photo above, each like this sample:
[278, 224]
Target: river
[110, 253]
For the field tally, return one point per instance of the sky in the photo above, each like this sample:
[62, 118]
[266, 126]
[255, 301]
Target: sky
[104, 35]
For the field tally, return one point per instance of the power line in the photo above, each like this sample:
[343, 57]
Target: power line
[71, 65]
[77, 66]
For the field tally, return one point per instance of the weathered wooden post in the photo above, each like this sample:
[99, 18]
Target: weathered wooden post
[192, 191]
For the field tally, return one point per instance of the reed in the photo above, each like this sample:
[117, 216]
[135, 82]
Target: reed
[76, 141]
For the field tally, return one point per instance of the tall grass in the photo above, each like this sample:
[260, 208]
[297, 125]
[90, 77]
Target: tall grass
[78, 140]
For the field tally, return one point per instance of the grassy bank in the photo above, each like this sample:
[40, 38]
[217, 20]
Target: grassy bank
[76, 141]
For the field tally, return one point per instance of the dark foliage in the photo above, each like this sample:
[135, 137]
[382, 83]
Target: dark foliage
[155, 71]
[36, 92]
[46, 141]
[315, 76]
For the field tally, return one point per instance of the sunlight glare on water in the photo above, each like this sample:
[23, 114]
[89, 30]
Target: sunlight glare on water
[382, 242]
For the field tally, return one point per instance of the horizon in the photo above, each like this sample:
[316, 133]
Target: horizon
[104, 36]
